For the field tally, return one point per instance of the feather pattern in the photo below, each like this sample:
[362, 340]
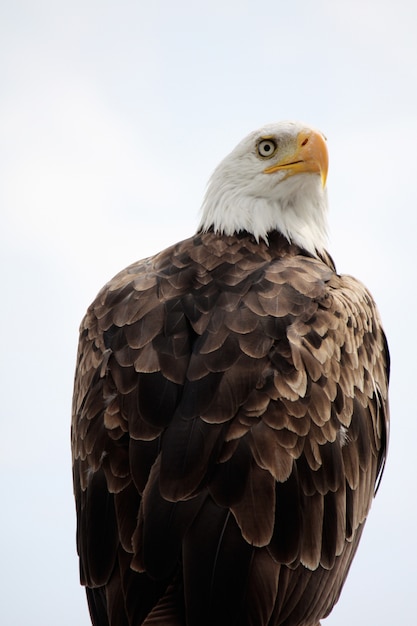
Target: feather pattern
[229, 425]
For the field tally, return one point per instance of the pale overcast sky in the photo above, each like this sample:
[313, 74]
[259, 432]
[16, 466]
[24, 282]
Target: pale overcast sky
[112, 117]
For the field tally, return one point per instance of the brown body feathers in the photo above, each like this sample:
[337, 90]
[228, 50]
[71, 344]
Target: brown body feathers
[229, 427]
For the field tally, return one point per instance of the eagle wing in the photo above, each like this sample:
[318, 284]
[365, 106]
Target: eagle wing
[229, 427]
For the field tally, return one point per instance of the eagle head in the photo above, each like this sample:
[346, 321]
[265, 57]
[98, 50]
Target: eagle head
[274, 180]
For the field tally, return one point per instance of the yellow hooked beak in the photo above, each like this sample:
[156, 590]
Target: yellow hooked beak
[308, 155]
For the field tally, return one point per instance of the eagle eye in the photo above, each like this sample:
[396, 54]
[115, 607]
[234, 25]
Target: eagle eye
[266, 148]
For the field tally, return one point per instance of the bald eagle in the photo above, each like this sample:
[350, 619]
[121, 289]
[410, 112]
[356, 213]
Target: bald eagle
[230, 411]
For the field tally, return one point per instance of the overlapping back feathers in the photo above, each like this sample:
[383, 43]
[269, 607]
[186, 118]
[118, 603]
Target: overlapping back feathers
[229, 426]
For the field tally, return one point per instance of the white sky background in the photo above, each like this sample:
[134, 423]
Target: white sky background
[112, 117]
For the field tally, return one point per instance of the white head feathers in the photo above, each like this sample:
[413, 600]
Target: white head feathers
[273, 180]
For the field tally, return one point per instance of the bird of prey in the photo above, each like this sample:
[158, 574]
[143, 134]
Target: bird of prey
[230, 412]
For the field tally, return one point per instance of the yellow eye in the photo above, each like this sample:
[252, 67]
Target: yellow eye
[266, 148]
